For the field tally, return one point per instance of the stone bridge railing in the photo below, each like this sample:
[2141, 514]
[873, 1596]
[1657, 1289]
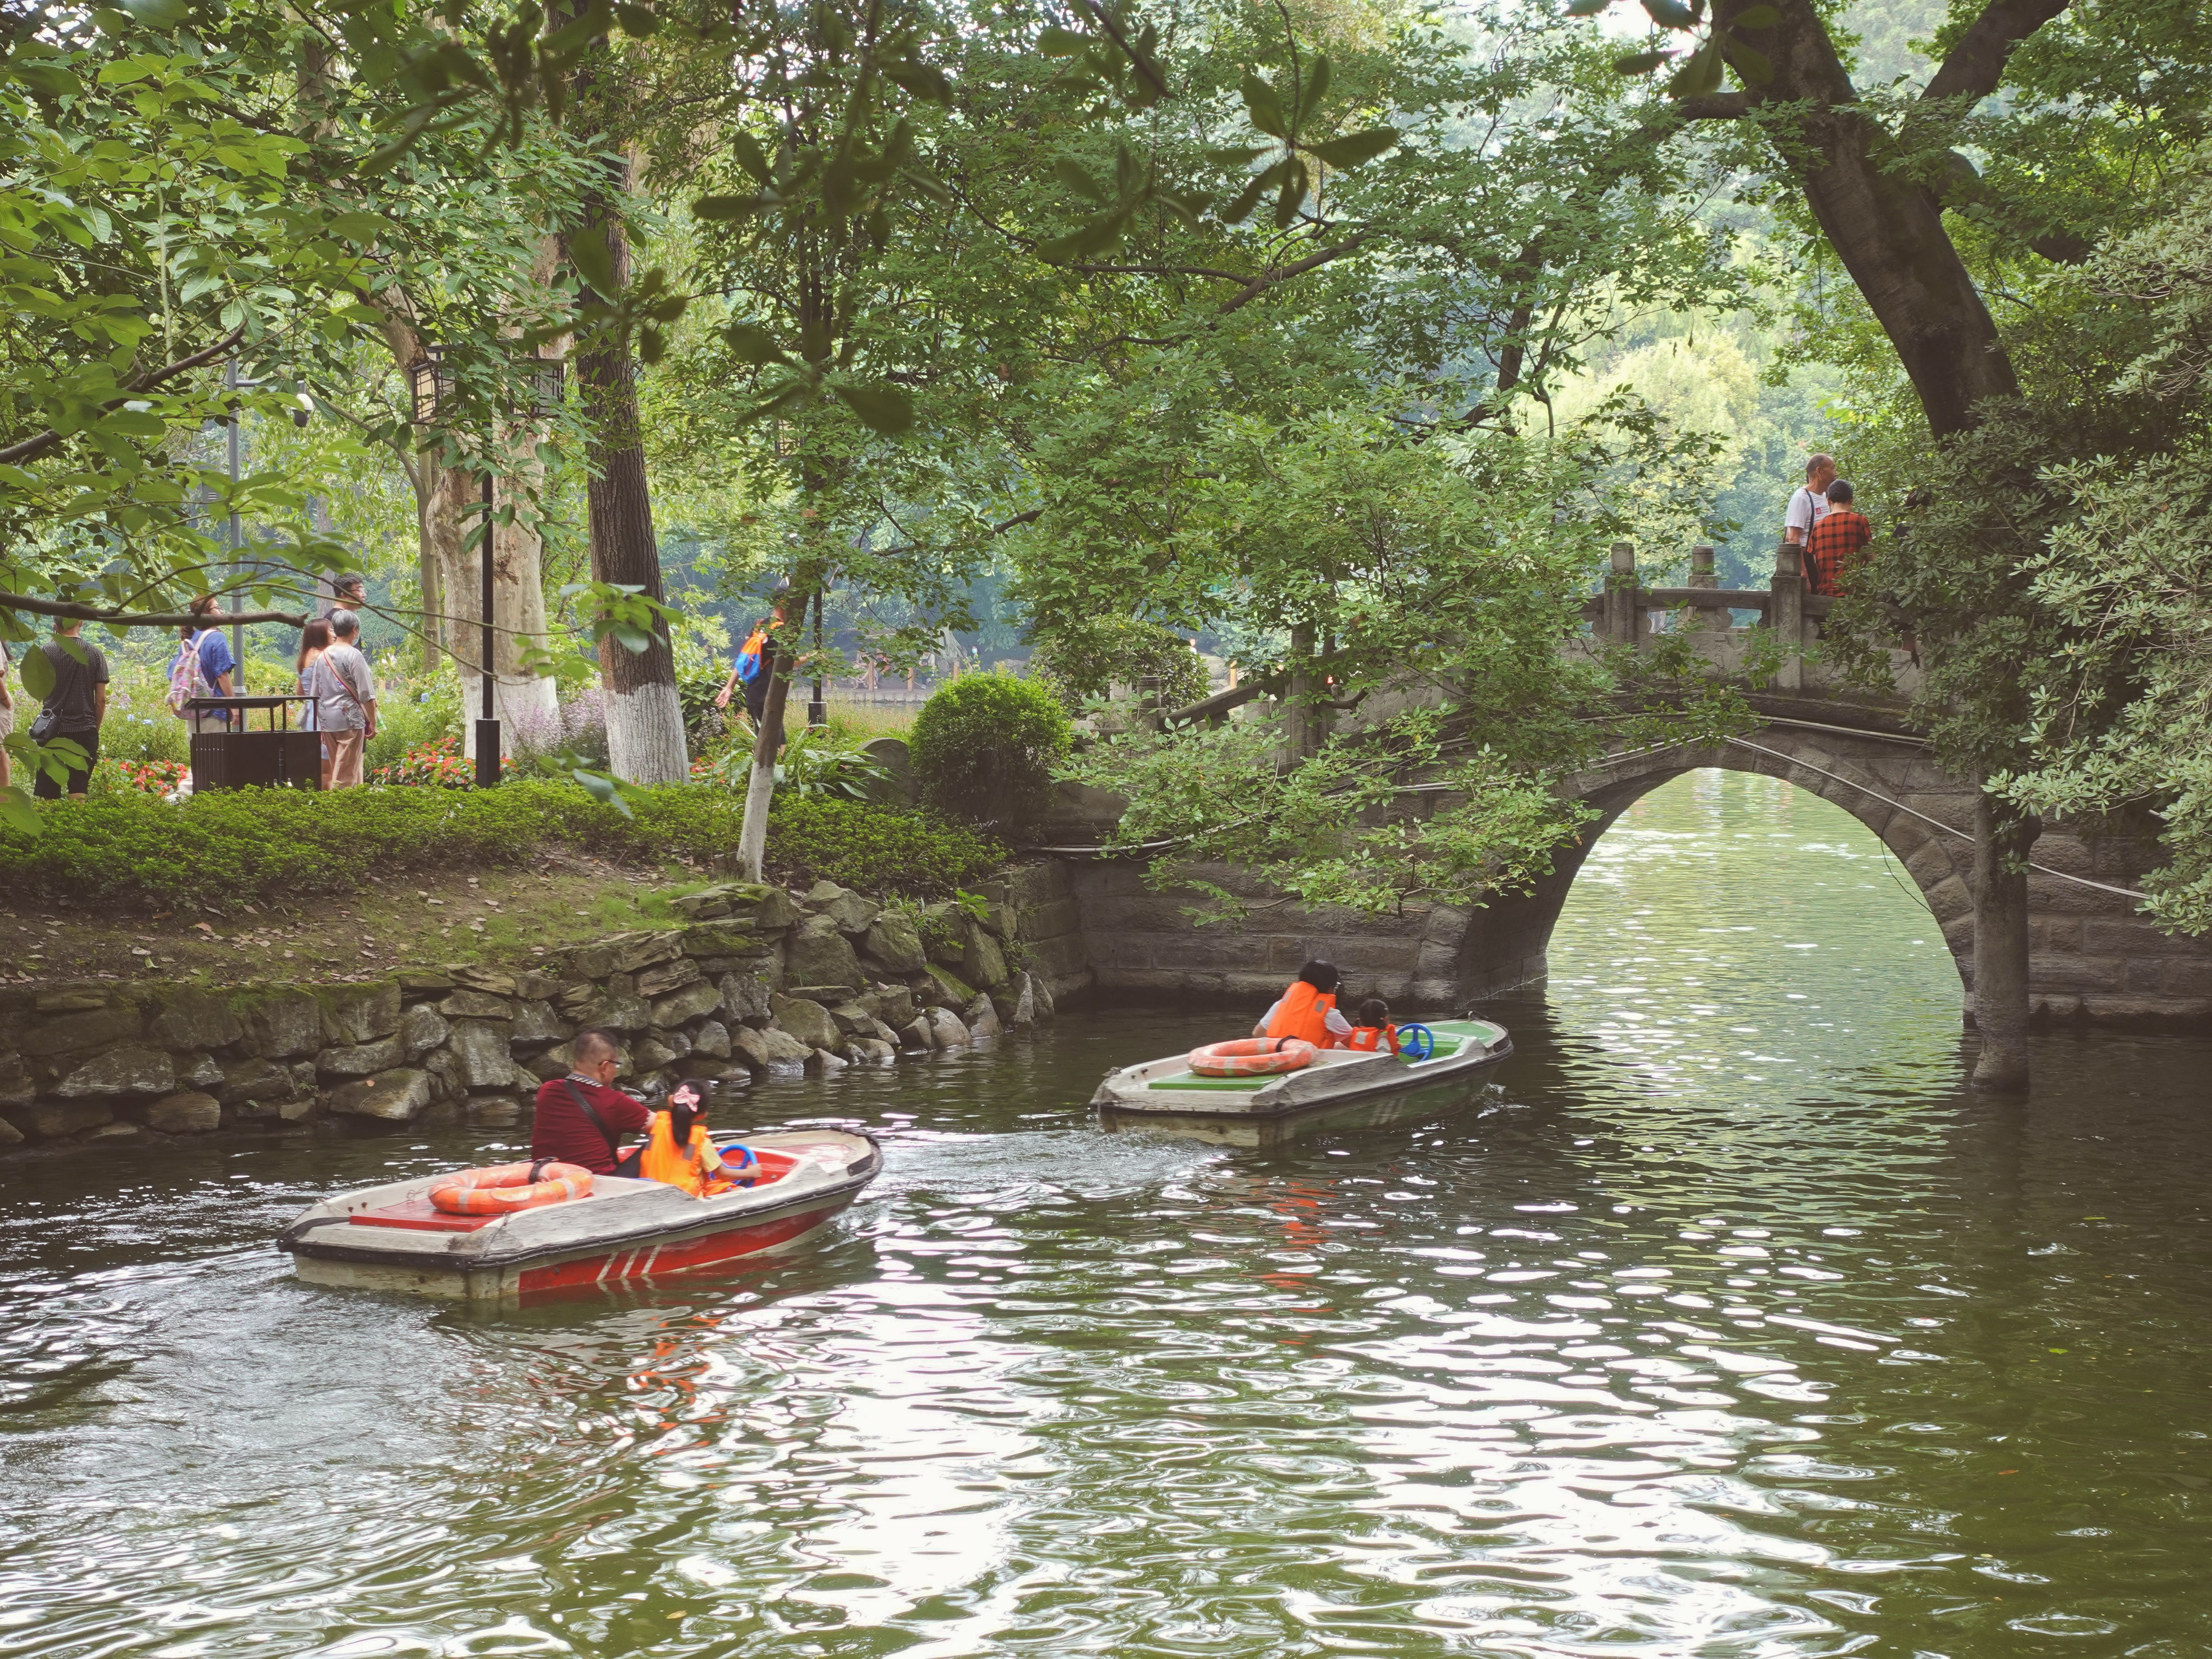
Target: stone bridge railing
[1790, 616]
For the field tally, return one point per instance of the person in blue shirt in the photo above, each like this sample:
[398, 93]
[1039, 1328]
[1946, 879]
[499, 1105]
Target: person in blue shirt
[217, 664]
[751, 672]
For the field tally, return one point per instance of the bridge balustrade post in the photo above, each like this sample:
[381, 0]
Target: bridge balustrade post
[1702, 575]
[1787, 614]
[1624, 619]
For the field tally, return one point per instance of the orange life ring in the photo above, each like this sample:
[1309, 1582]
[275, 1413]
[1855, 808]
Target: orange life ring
[1252, 1057]
[506, 1186]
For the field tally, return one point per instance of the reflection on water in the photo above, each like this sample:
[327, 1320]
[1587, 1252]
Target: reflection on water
[1725, 1324]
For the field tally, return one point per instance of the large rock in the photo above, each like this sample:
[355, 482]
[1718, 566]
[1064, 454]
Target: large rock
[254, 1080]
[746, 904]
[854, 914]
[10, 1134]
[120, 1073]
[982, 1019]
[478, 977]
[199, 1071]
[71, 999]
[822, 1063]
[916, 1035]
[892, 943]
[360, 1013]
[480, 1048]
[819, 953]
[536, 1022]
[806, 1020]
[1042, 987]
[191, 1113]
[51, 1119]
[711, 1039]
[92, 1028]
[619, 1008]
[872, 1051]
[679, 1007]
[362, 1059]
[194, 1019]
[984, 962]
[476, 1005]
[945, 1029]
[942, 988]
[284, 1026]
[853, 1019]
[767, 1050]
[719, 938]
[642, 950]
[894, 1005]
[395, 1096]
[1024, 1000]
[17, 1085]
[554, 1062]
[660, 1048]
[421, 1028]
[744, 998]
[896, 786]
[664, 976]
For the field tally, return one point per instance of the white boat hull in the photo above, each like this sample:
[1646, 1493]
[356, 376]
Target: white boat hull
[1338, 1077]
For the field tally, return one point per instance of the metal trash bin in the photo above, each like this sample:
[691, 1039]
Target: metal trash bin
[278, 757]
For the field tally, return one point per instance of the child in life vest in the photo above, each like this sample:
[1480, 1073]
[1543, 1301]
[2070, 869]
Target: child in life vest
[1375, 1032]
[681, 1152]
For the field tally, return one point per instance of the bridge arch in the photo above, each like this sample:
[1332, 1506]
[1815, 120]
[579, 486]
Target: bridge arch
[1887, 785]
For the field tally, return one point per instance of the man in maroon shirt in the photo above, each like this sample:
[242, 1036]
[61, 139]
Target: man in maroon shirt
[563, 1130]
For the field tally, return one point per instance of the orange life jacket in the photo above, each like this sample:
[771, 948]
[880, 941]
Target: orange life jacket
[1304, 1012]
[690, 1167]
[1373, 1038]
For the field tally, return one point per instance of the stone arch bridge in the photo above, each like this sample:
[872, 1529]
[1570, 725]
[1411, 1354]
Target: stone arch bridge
[2093, 958]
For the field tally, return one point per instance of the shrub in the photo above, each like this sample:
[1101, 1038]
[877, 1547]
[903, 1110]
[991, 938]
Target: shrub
[1081, 662]
[875, 848]
[985, 747]
[812, 763]
[437, 765]
[412, 714]
[226, 846]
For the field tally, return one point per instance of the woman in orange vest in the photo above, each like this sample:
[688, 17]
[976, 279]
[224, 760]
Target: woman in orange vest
[1308, 1010]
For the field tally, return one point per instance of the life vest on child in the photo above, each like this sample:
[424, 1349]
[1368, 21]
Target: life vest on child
[689, 1167]
[1373, 1038]
[1304, 1012]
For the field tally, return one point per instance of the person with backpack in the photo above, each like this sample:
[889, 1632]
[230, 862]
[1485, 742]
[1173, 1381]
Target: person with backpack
[750, 672]
[203, 668]
[581, 1117]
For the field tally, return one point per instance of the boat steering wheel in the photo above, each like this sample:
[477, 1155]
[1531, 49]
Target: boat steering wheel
[1416, 1042]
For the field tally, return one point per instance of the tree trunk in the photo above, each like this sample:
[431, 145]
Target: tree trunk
[1887, 229]
[2000, 991]
[645, 715]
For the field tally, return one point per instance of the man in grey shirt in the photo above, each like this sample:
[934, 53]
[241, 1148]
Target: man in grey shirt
[345, 700]
[74, 709]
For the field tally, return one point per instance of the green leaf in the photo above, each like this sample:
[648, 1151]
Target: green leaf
[1699, 75]
[1317, 87]
[883, 409]
[158, 14]
[1241, 210]
[594, 263]
[638, 20]
[50, 79]
[18, 812]
[750, 156]
[603, 789]
[1641, 63]
[725, 207]
[1071, 174]
[1356, 147]
[924, 81]
[1671, 14]
[1057, 42]
[751, 343]
[1587, 8]
[1265, 106]
[1293, 196]
[1756, 17]
[37, 674]
[1748, 62]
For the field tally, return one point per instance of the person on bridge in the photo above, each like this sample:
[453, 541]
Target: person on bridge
[1809, 505]
[1835, 542]
[1308, 1010]
[582, 1116]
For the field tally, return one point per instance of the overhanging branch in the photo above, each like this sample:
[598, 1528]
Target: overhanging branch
[1976, 61]
[30, 448]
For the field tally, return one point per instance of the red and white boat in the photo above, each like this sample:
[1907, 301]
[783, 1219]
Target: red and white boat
[391, 1237]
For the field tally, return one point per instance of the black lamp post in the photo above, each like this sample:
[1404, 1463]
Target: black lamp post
[431, 383]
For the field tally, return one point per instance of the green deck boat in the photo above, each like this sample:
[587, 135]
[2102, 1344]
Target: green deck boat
[1462, 1050]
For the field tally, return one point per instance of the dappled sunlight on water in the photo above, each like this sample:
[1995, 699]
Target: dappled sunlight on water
[1722, 1324]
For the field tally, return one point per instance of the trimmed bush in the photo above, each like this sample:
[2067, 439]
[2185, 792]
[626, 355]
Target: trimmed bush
[260, 844]
[985, 748]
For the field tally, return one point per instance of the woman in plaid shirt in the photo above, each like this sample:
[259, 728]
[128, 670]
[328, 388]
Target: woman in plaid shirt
[1841, 531]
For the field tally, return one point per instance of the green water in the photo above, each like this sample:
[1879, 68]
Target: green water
[1724, 1324]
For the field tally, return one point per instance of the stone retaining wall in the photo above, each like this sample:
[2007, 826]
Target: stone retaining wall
[755, 980]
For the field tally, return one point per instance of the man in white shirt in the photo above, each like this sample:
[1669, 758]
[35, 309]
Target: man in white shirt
[345, 700]
[1809, 506]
